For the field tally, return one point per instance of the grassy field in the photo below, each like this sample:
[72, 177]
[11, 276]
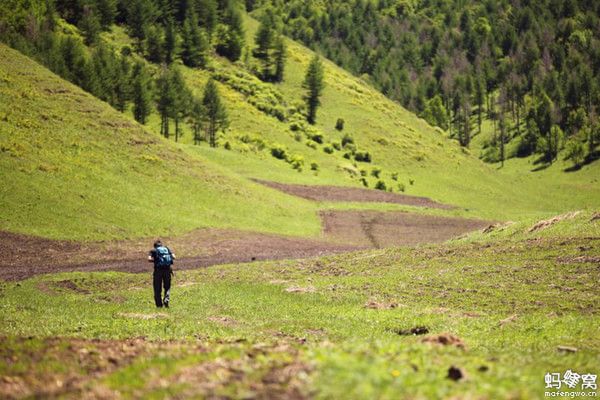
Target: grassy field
[380, 324]
[74, 168]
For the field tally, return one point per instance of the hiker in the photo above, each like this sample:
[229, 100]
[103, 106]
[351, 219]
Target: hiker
[162, 257]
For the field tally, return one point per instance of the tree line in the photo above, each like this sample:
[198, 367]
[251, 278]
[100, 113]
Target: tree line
[530, 67]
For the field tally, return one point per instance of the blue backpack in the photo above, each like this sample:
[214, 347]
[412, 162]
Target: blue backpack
[164, 258]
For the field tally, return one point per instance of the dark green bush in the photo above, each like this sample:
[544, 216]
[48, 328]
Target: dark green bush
[380, 185]
[347, 139]
[339, 124]
[362, 156]
[376, 172]
[328, 149]
[279, 152]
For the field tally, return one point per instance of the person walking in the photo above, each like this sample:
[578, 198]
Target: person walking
[162, 257]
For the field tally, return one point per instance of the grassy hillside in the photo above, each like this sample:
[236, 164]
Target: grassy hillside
[402, 145]
[72, 167]
[386, 324]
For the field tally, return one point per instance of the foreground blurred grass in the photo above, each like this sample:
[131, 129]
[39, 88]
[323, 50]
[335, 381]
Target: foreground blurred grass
[511, 300]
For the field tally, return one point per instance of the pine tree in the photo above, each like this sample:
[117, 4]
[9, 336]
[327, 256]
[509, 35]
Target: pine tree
[215, 115]
[90, 25]
[265, 37]
[313, 83]
[280, 56]
[141, 93]
[180, 101]
[170, 44]
[196, 118]
[207, 15]
[165, 99]
[194, 42]
[154, 45]
[107, 12]
[123, 85]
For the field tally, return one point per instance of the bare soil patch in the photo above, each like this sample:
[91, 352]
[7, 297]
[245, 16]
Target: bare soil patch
[384, 229]
[349, 194]
[343, 231]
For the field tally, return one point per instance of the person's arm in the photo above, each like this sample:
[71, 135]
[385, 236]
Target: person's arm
[151, 256]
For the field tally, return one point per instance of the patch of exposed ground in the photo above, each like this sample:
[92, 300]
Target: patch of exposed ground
[350, 194]
[31, 369]
[385, 229]
[343, 231]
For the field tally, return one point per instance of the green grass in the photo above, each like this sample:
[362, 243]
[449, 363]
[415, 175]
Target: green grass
[74, 168]
[512, 297]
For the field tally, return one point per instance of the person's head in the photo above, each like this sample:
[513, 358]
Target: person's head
[158, 243]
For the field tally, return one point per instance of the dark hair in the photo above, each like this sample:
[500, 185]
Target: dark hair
[158, 243]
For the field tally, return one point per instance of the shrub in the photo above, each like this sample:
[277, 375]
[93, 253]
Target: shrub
[337, 146]
[380, 185]
[295, 126]
[395, 176]
[314, 166]
[347, 155]
[227, 146]
[401, 187]
[362, 156]
[298, 137]
[317, 137]
[328, 149]
[339, 124]
[279, 152]
[346, 140]
[296, 161]
[364, 182]
[376, 172]
[363, 172]
[411, 181]
[311, 144]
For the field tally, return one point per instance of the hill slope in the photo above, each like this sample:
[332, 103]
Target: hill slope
[72, 167]
[425, 162]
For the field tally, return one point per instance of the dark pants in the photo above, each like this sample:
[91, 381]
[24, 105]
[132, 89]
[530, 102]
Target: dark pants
[161, 278]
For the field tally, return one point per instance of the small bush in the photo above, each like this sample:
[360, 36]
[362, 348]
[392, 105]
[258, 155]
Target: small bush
[311, 144]
[380, 185]
[314, 166]
[317, 137]
[337, 146]
[296, 161]
[362, 156]
[227, 146]
[395, 176]
[279, 152]
[295, 126]
[346, 140]
[363, 172]
[401, 187]
[298, 137]
[376, 172]
[328, 149]
[339, 124]
[411, 181]
[347, 156]
[364, 182]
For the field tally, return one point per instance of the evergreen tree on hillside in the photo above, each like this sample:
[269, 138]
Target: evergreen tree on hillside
[264, 40]
[181, 100]
[196, 119]
[313, 83]
[123, 86]
[154, 45]
[170, 43]
[207, 13]
[165, 100]
[107, 12]
[194, 42]
[141, 93]
[280, 55]
[230, 35]
[215, 114]
[90, 25]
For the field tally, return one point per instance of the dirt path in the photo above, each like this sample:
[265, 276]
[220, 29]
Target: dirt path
[343, 231]
[339, 193]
